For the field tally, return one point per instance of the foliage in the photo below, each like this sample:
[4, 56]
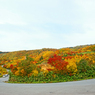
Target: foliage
[2, 71]
[59, 64]
[26, 67]
[50, 65]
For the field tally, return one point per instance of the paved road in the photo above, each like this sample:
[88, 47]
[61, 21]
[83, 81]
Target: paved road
[85, 87]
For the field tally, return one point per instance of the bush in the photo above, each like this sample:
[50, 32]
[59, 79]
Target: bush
[25, 68]
[59, 64]
[83, 66]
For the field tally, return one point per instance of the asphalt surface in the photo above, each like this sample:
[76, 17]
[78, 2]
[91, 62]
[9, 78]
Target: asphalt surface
[84, 87]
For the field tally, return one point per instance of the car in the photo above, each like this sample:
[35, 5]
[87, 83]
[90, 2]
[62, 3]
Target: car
[5, 75]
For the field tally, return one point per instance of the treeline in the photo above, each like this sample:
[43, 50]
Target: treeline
[2, 52]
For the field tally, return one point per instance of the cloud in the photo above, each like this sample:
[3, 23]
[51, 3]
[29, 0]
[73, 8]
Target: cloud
[86, 5]
[32, 24]
[87, 9]
[75, 39]
[22, 40]
[8, 17]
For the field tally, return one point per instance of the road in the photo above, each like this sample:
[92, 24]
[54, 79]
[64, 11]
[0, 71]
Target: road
[84, 87]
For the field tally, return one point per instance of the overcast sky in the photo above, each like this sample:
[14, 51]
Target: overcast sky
[36, 24]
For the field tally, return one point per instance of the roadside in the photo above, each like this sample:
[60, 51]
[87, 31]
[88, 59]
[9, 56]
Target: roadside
[5, 77]
[84, 87]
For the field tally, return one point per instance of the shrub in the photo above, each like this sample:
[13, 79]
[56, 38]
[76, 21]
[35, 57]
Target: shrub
[83, 66]
[2, 71]
[59, 64]
[26, 67]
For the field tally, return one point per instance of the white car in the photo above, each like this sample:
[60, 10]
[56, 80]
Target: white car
[5, 75]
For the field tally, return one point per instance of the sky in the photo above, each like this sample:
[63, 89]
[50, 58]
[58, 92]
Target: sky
[37, 24]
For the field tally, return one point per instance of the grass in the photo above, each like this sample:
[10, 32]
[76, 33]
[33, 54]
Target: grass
[88, 52]
[50, 79]
[1, 76]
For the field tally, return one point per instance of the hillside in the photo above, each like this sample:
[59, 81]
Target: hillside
[35, 53]
[50, 65]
